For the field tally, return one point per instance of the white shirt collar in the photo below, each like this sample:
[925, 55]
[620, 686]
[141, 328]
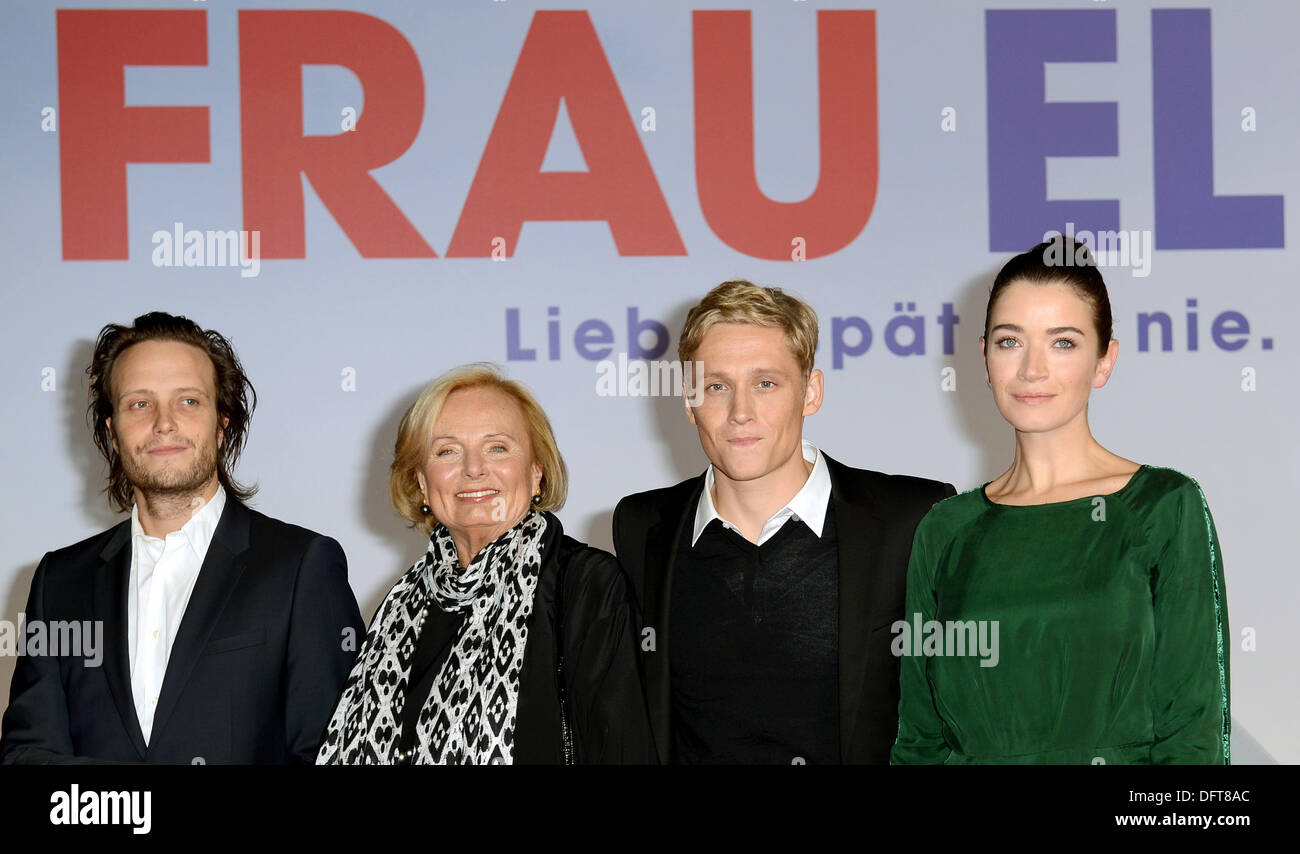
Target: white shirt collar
[809, 503]
[197, 531]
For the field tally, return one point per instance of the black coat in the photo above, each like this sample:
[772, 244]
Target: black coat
[606, 705]
[258, 660]
[876, 515]
[607, 710]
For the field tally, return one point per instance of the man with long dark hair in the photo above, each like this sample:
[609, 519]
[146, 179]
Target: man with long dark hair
[226, 634]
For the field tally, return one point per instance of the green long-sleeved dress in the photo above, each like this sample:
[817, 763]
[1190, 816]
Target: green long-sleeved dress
[1104, 627]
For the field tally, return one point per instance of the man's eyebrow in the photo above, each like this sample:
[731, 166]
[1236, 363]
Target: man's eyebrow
[185, 390]
[725, 376]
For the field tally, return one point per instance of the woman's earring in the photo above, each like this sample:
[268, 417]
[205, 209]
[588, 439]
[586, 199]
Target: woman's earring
[426, 509]
[537, 499]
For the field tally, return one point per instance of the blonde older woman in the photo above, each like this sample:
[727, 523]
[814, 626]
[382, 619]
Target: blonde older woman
[507, 642]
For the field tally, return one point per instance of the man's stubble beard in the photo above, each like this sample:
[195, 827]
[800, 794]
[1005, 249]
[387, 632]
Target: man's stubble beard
[169, 485]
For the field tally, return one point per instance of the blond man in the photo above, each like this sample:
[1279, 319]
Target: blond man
[768, 583]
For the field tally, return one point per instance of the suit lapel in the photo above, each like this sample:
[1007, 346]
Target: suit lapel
[222, 567]
[858, 533]
[663, 539]
[109, 604]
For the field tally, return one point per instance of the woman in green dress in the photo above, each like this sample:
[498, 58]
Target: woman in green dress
[1073, 609]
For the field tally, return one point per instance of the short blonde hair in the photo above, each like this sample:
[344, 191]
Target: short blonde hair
[739, 301]
[415, 433]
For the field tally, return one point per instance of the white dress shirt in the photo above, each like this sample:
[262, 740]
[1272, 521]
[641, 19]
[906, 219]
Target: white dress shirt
[163, 572]
[809, 503]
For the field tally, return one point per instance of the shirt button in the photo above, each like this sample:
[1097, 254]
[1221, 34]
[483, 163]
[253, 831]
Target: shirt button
[154, 701]
[757, 620]
[155, 633]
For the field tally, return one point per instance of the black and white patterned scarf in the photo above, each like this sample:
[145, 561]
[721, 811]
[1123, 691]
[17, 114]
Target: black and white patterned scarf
[469, 716]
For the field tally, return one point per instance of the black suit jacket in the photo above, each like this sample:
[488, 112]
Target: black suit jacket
[258, 660]
[876, 516]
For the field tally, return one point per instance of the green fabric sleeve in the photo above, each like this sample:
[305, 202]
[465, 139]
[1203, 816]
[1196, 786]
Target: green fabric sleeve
[1192, 722]
[920, 731]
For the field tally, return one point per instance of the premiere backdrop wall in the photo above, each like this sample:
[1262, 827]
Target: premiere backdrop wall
[428, 184]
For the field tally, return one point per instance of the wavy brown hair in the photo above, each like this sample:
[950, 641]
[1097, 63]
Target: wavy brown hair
[236, 397]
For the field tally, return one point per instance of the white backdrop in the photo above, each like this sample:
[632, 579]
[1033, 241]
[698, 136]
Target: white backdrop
[338, 341]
